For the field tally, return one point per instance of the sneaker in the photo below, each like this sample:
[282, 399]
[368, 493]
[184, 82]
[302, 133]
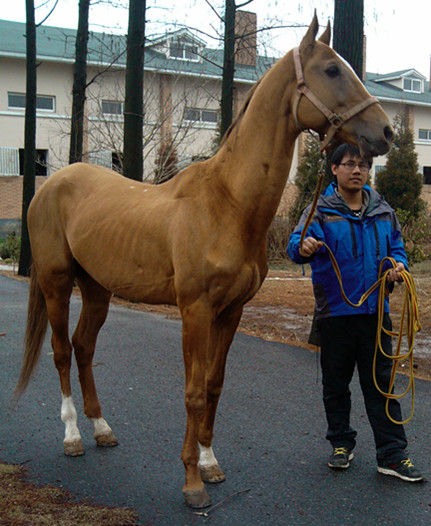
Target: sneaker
[340, 458]
[404, 470]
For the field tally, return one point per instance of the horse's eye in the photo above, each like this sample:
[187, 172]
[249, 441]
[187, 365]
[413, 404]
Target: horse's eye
[332, 71]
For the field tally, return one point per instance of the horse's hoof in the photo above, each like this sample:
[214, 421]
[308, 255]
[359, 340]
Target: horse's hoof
[197, 498]
[73, 448]
[108, 440]
[212, 474]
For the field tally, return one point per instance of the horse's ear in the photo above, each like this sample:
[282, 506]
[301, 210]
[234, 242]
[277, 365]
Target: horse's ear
[307, 43]
[326, 35]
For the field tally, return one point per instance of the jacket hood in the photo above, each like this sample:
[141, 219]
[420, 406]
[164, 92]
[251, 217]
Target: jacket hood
[330, 201]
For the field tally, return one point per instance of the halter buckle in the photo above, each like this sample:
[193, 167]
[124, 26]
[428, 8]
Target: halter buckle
[336, 120]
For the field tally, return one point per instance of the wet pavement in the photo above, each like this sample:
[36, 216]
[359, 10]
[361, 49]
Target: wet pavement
[269, 430]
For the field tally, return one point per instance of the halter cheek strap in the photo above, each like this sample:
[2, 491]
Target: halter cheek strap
[335, 119]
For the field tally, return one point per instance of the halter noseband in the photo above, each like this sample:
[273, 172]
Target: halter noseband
[336, 120]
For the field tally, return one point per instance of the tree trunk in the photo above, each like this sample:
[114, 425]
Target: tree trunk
[133, 162]
[349, 33]
[29, 138]
[79, 84]
[228, 67]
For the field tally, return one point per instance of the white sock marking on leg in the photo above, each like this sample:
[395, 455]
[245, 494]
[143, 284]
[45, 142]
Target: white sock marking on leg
[69, 418]
[100, 427]
[206, 457]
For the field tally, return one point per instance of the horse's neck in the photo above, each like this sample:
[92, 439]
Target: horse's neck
[255, 160]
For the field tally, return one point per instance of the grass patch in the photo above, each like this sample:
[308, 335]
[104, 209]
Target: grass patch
[24, 503]
[424, 267]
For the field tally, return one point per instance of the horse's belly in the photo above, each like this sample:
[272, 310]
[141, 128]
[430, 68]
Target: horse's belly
[146, 293]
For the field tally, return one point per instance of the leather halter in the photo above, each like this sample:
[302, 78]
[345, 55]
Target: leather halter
[336, 119]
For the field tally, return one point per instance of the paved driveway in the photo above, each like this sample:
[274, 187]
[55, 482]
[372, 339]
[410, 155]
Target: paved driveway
[269, 431]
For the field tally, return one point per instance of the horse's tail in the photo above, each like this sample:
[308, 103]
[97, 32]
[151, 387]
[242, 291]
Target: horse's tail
[37, 322]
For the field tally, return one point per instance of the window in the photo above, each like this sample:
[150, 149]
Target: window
[183, 50]
[41, 165]
[43, 102]
[427, 174]
[425, 135]
[414, 85]
[112, 107]
[108, 159]
[9, 161]
[201, 116]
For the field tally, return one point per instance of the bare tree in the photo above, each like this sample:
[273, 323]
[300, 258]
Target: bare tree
[79, 84]
[349, 32]
[29, 138]
[133, 165]
[227, 93]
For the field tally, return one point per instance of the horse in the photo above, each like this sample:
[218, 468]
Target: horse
[197, 241]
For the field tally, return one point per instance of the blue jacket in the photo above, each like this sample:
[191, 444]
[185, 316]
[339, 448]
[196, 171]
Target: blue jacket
[358, 243]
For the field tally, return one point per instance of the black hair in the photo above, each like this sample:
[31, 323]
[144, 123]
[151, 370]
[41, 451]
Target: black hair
[347, 149]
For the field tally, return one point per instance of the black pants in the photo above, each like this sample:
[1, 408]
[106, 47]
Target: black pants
[346, 341]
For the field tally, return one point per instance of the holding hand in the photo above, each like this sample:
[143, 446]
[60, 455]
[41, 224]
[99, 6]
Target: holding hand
[309, 247]
[395, 273]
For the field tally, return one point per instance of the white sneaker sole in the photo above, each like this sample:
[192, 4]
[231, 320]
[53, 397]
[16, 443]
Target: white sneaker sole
[392, 472]
[342, 467]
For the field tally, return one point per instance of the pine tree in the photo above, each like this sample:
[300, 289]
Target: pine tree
[400, 181]
[306, 178]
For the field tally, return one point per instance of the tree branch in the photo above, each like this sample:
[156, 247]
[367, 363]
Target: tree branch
[48, 15]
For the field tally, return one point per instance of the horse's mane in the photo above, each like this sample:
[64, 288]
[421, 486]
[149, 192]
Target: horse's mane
[243, 109]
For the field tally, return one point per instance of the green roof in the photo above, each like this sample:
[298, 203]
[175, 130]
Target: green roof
[58, 44]
[386, 91]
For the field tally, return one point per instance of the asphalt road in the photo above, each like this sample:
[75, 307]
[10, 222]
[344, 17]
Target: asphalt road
[269, 431]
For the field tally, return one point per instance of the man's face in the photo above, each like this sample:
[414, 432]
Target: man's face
[351, 173]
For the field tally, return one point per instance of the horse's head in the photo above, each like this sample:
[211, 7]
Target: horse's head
[331, 92]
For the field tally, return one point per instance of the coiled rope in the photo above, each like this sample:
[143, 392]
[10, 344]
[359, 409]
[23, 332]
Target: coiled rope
[409, 315]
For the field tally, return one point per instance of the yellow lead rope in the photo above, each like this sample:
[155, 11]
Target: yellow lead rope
[409, 315]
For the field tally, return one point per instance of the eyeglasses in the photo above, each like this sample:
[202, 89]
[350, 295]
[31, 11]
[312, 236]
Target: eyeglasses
[351, 165]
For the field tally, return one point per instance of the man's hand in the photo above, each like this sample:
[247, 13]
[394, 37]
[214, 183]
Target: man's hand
[395, 273]
[309, 247]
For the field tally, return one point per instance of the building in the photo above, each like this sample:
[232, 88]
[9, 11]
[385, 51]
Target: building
[181, 100]
[407, 89]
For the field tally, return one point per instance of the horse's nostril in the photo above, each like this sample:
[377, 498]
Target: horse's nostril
[388, 133]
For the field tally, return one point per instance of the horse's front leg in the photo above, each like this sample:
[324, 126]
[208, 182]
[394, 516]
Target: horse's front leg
[221, 336]
[196, 330]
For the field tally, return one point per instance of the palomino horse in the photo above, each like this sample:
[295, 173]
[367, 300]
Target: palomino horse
[197, 241]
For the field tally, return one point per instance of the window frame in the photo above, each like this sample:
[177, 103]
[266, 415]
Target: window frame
[110, 114]
[200, 112]
[412, 80]
[428, 133]
[39, 98]
[189, 51]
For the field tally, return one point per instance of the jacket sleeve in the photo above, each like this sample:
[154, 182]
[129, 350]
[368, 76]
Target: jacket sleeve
[314, 230]
[397, 244]
[396, 248]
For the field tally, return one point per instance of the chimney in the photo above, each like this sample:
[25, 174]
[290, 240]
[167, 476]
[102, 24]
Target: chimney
[245, 41]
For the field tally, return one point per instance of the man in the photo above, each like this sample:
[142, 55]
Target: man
[361, 229]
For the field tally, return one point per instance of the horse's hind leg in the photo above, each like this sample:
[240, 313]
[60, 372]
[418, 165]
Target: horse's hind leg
[57, 288]
[222, 334]
[95, 305]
